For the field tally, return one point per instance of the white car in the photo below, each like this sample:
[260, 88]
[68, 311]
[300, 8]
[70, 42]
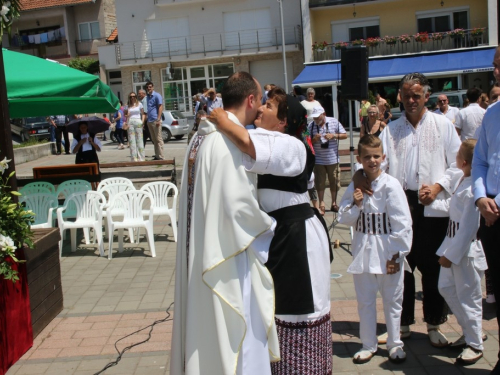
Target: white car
[174, 124]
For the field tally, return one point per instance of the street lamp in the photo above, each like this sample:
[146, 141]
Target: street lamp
[283, 44]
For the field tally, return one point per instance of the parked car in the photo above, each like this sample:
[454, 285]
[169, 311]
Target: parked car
[27, 127]
[455, 98]
[174, 124]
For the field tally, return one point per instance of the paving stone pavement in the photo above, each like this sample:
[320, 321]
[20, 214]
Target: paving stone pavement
[105, 301]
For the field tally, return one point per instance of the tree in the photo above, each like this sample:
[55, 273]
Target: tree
[85, 64]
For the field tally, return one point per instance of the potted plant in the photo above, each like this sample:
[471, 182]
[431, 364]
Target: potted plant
[422, 37]
[457, 33]
[390, 40]
[437, 36]
[15, 230]
[358, 42]
[340, 45]
[477, 32]
[404, 39]
[372, 42]
[319, 46]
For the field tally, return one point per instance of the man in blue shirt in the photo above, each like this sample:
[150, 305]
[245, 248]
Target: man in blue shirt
[154, 111]
[486, 179]
[211, 100]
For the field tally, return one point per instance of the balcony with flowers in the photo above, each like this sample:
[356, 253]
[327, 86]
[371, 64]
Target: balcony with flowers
[407, 43]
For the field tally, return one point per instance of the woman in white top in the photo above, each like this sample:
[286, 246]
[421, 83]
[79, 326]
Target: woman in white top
[135, 119]
[85, 145]
[310, 103]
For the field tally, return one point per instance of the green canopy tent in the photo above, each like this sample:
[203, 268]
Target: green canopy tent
[37, 87]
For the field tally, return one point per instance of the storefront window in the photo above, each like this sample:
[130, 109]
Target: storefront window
[140, 78]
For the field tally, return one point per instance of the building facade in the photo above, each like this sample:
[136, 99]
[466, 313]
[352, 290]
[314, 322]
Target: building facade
[62, 29]
[188, 45]
[452, 42]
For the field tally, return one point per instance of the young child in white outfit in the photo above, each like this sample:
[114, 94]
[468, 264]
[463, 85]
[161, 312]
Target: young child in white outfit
[382, 238]
[463, 262]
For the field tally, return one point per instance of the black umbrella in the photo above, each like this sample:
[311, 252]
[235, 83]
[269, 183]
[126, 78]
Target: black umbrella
[95, 124]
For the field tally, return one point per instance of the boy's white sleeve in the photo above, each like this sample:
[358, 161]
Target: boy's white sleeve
[468, 226]
[401, 236]
[348, 210]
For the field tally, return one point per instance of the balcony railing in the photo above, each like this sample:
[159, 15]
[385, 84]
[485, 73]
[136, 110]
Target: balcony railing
[52, 50]
[89, 47]
[468, 39]
[236, 41]
[323, 3]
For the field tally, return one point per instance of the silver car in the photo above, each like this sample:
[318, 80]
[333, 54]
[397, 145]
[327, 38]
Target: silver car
[174, 124]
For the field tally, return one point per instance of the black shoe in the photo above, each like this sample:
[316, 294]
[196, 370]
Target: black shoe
[68, 153]
[58, 153]
[156, 158]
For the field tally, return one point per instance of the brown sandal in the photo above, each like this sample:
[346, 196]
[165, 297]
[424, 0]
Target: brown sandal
[322, 210]
[335, 208]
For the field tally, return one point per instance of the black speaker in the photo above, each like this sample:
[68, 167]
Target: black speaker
[354, 72]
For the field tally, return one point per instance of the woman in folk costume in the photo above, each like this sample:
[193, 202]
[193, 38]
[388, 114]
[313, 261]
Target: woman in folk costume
[300, 253]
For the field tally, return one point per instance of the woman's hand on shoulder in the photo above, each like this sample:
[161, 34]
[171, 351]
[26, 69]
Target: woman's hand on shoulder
[217, 116]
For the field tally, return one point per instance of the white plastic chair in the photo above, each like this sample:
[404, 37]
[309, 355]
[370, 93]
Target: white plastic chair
[88, 215]
[160, 191]
[38, 187]
[109, 188]
[65, 190]
[131, 204]
[42, 205]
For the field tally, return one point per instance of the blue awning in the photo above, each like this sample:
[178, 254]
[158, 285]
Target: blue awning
[391, 68]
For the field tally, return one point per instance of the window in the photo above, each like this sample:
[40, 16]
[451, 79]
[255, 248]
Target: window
[436, 21]
[180, 84]
[89, 30]
[364, 32]
[343, 31]
[140, 78]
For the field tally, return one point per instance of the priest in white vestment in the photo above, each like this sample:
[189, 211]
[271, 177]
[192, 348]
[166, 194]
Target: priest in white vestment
[224, 295]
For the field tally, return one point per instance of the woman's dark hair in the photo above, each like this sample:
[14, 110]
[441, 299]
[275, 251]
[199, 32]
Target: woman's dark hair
[279, 96]
[237, 88]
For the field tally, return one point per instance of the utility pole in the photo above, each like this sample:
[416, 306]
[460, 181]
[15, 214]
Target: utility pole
[283, 45]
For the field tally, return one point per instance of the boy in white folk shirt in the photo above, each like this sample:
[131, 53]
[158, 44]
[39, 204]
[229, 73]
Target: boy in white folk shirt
[463, 262]
[382, 238]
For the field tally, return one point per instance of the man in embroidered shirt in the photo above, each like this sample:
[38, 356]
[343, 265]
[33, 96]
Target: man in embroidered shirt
[420, 147]
[450, 112]
[469, 118]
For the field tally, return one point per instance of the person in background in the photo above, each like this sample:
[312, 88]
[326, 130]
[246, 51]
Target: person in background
[373, 125]
[200, 115]
[267, 87]
[380, 103]
[310, 103]
[211, 100]
[59, 123]
[469, 119]
[363, 111]
[326, 132]
[85, 146]
[450, 112]
[141, 96]
[135, 120]
[105, 117]
[297, 92]
[494, 93]
[154, 114]
[387, 113]
[118, 117]
[484, 102]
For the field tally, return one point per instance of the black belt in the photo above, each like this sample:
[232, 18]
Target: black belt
[288, 214]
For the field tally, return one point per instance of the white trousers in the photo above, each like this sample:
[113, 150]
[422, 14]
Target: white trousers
[391, 289]
[460, 286]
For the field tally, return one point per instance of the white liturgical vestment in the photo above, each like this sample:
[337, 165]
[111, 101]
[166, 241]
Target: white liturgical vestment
[224, 296]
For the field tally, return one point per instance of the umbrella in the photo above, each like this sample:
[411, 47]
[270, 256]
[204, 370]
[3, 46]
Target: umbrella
[95, 124]
[37, 87]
